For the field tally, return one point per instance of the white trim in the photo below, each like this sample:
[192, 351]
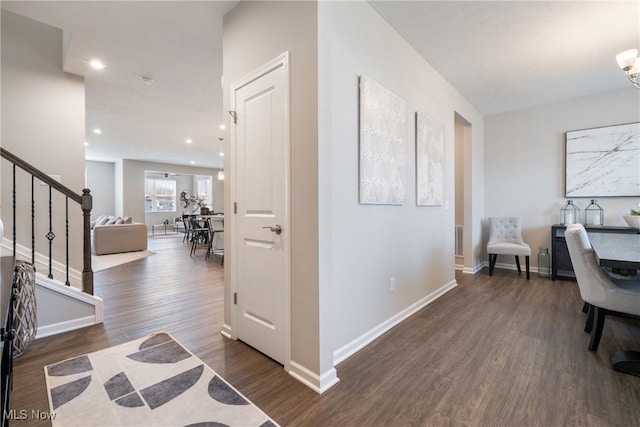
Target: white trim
[317, 383]
[360, 342]
[75, 293]
[512, 267]
[69, 325]
[226, 331]
[475, 270]
[231, 330]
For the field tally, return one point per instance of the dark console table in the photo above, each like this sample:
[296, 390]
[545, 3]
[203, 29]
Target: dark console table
[561, 267]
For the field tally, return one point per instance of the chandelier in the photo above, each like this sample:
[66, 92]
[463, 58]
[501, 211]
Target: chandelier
[630, 64]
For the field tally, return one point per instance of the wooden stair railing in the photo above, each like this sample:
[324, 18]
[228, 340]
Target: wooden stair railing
[86, 204]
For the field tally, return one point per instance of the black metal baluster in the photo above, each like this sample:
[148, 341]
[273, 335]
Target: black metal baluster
[66, 219]
[50, 235]
[33, 221]
[14, 210]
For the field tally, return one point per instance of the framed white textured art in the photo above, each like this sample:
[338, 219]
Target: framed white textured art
[383, 144]
[429, 160]
[603, 162]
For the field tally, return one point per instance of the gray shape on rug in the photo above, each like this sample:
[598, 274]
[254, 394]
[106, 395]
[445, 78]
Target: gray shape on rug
[67, 392]
[155, 340]
[132, 400]
[160, 393]
[76, 365]
[118, 386]
[267, 423]
[169, 352]
[220, 391]
[207, 424]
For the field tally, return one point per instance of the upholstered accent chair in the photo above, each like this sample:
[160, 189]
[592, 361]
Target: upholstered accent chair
[597, 289]
[505, 238]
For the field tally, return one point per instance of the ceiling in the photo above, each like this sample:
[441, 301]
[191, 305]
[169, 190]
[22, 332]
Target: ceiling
[178, 44]
[509, 55]
[500, 56]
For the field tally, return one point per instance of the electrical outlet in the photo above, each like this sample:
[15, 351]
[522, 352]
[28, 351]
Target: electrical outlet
[392, 284]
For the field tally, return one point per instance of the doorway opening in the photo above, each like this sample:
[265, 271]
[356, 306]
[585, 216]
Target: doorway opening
[463, 202]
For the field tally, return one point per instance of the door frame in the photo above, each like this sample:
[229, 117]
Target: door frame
[281, 60]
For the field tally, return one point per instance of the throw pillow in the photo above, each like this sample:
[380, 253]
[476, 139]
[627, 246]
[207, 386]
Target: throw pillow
[128, 220]
[102, 220]
[119, 221]
[113, 220]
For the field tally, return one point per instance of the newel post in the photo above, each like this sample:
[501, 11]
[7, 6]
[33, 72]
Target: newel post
[87, 272]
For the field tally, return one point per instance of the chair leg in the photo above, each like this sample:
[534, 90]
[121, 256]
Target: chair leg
[599, 315]
[194, 243]
[518, 264]
[588, 326]
[585, 307]
[526, 264]
[210, 245]
[492, 263]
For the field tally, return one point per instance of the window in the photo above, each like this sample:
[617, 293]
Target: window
[204, 191]
[159, 195]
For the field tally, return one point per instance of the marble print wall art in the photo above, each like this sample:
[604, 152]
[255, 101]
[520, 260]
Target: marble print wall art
[383, 144]
[603, 162]
[429, 160]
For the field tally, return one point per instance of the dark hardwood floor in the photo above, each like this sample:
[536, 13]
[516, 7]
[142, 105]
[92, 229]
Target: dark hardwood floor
[495, 351]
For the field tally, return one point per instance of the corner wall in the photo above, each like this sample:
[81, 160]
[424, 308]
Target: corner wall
[42, 123]
[101, 182]
[363, 246]
[525, 161]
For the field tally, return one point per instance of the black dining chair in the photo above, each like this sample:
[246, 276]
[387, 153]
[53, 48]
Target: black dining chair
[215, 226]
[187, 228]
[199, 234]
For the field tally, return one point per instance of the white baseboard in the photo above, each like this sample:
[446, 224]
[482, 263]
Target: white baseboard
[226, 331]
[354, 346]
[474, 270]
[317, 383]
[513, 267]
[69, 325]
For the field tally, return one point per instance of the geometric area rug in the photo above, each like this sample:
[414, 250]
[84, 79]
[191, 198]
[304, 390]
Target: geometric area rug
[152, 381]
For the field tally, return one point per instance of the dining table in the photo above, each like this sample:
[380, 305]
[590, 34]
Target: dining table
[620, 252]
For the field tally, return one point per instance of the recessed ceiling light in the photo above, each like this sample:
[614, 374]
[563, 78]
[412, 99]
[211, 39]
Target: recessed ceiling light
[193, 162]
[97, 131]
[221, 154]
[188, 141]
[222, 127]
[96, 64]
[86, 144]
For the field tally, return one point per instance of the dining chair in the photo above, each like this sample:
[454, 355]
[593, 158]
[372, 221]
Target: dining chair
[199, 234]
[187, 228]
[603, 296]
[215, 226]
[505, 238]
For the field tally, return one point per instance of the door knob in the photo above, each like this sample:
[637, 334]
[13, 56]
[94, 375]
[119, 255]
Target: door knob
[276, 229]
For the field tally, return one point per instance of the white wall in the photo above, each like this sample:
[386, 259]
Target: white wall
[524, 161]
[101, 182]
[363, 246]
[43, 123]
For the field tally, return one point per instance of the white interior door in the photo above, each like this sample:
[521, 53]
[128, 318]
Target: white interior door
[261, 152]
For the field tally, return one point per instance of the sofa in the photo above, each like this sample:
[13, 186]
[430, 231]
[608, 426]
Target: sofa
[112, 235]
